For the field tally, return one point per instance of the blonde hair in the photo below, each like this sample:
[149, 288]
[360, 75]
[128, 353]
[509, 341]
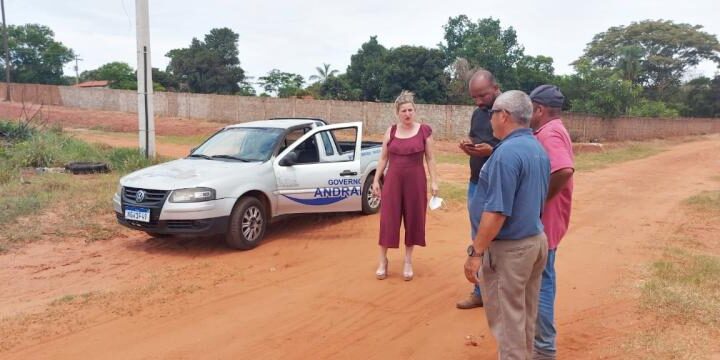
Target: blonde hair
[405, 97]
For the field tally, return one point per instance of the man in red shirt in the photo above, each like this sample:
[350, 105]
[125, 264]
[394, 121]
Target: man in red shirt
[551, 133]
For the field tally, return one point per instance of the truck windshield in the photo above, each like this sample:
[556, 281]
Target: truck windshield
[240, 144]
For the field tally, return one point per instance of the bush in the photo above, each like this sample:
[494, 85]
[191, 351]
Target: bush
[127, 160]
[598, 91]
[50, 149]
[54, 149]
[648, 108]
[16, 130]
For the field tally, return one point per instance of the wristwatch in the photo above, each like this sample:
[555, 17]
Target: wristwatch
[472, 253]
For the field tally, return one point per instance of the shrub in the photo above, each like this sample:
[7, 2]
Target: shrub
[16, 130]
[50, 149]
[127, 160]
[648, 108]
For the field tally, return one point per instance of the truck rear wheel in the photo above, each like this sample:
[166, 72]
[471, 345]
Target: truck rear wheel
[370, 200]
[248, 222]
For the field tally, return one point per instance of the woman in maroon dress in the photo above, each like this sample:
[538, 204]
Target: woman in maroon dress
[404, 191]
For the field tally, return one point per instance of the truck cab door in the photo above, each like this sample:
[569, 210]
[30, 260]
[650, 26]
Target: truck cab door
[312, 177]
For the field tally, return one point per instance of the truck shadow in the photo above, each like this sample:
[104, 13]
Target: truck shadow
[298, 226]
[301, 225]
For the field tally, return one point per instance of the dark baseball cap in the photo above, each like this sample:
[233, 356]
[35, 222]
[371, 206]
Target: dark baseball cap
[548, 95]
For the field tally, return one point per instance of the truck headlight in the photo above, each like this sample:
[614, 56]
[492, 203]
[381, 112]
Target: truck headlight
[192, 195]
[119, 190]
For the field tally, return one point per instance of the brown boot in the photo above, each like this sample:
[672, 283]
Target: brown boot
[470, 302]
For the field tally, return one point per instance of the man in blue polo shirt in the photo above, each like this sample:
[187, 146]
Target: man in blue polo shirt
[509, 241]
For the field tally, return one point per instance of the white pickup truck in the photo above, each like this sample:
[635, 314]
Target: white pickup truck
[245, 175]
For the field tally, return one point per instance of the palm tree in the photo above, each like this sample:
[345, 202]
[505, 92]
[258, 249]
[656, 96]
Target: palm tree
[323, 73]
[630, 63]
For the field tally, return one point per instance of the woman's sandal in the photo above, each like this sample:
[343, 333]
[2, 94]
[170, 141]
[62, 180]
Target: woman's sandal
[381, 272]
[408, 272]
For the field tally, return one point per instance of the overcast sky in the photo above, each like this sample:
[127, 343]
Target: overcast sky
[297, 36]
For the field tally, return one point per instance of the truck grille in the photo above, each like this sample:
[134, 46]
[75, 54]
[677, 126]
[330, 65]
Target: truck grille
[150, 196]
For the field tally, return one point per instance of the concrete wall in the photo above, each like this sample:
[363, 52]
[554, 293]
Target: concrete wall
[448, 121]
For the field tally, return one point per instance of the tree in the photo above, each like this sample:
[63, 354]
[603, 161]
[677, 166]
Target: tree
[210, 66]
[119, 74]
[701, 97]
[246, 89]
[459, 73]
[629, 63]
[598, 91]
[484, 44]
[339, 88]
[665, 51]
[365, 69]
[414, 68]
[122, 76]
[282, 84]
[35, 56]
[323, 73]
[165, 79]
[533, 71]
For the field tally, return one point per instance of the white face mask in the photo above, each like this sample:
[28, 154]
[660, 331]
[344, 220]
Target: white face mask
[435, 203]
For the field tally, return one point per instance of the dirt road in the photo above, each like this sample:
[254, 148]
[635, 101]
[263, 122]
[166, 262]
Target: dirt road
[309, 290]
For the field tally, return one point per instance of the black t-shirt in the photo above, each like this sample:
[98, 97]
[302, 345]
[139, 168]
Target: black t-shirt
[480, 132]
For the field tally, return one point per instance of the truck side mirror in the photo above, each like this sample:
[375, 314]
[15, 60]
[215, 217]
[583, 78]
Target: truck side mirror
[290, 159]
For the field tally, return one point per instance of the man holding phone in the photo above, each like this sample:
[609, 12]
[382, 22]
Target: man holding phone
[483, 89]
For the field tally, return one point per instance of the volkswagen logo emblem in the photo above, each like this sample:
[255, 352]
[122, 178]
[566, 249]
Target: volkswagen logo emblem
[139, 196]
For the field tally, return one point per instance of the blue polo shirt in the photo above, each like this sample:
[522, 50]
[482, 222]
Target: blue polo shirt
[514, 182]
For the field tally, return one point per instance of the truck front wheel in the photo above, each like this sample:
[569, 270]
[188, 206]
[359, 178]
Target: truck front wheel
[370, 200]
[247, 224]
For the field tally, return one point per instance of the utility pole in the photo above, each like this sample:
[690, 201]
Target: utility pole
[146, 120]
[7, 53]
[77, 74]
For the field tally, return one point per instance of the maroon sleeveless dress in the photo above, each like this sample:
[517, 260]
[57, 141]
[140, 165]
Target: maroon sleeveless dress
[404, 191]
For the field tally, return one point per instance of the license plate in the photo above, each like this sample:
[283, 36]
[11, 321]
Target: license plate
[137, 214]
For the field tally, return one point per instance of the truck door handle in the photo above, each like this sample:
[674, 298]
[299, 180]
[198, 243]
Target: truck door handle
[348, 173]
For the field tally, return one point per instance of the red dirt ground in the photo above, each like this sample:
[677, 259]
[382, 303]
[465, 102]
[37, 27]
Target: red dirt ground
[309, 291]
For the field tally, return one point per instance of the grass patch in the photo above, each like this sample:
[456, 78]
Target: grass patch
[125, 160]
[51, 149]
[63, 300]
[451, 158]
[453, 192]
[164, 139]
[18, 200]
[707, 201]
[183, 140]
[672, 342]
[680, 292]
[42, 206]
[594, 161]
[583, 161]
[685, 288]
[75, 200]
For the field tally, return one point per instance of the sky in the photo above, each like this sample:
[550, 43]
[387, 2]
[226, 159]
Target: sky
[298, 36]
